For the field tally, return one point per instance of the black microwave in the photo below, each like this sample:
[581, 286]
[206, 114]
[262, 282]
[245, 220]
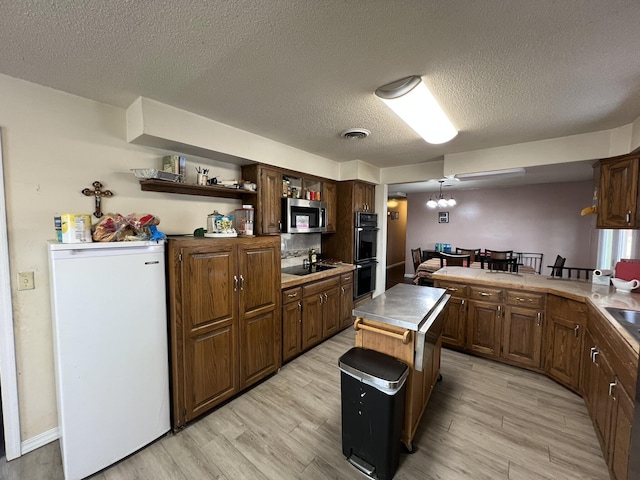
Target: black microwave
[303, 216]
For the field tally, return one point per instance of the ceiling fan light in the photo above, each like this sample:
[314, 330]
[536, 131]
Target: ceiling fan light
[412, 101]
[452, 202]
[442, 203]
[432, 203]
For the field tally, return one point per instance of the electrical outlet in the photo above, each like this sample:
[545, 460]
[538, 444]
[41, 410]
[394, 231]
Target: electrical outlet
[25, 281]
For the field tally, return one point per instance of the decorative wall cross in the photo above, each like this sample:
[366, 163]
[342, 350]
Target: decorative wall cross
[97, 194]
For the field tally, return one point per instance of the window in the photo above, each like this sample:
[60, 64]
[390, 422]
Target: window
[614, 245]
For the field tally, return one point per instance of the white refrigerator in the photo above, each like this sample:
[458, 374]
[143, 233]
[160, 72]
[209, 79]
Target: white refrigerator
[110, 349]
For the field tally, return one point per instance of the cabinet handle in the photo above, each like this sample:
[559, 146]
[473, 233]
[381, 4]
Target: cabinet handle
[292, 295]
[593, 350]
[629, 217]
[485, 294]
[235, 283]
[325, 298]
[347, 279]
[451, 289]
[595, 356]
[499, 310]
[241, 282]
[462, 301]
[576, 329]
[342, 288]
[611, 388]
[321, 299]
[300, 308]
[539, 318]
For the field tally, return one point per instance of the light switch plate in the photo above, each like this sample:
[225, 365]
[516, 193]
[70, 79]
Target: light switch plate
[25, 281]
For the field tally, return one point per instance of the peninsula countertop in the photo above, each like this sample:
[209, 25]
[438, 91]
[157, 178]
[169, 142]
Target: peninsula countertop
[599, 296]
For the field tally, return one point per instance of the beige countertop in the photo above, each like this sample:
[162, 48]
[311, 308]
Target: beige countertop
[599, 296]
[295, 280]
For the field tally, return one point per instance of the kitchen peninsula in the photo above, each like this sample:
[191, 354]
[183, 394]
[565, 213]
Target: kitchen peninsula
[566, 329]
[405, 322]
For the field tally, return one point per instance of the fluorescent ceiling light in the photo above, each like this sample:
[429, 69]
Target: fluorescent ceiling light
[412, 101]
[511, 172]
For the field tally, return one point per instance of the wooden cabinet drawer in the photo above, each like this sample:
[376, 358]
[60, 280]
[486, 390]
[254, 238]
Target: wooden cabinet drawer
[485, 294]
[525, 299]
[453, 289]
[320, 286]
[291, 295]
[346, 278]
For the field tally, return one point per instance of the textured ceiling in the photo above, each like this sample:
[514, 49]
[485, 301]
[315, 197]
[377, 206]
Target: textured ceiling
[300, 72]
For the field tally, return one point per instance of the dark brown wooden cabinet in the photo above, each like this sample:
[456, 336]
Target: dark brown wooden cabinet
[455, 322]
[269, 181]
[523, 326]
[566, 321]
[346, 299]
[484, 321]
[363, 197]
[608, 385]
[224, 316]
[291, 323]
[354, 197]
[330, 197]
[618, 192]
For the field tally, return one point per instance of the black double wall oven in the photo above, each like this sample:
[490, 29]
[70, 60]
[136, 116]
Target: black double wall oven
[366, 245]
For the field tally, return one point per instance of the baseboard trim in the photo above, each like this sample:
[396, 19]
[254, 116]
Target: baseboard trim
[40, 440]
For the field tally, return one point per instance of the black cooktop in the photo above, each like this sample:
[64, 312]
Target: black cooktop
[300, 270]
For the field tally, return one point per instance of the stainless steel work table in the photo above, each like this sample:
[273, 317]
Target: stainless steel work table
[405, 322]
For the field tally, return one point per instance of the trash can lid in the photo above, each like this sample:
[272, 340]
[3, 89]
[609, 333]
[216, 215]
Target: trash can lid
[377, 369]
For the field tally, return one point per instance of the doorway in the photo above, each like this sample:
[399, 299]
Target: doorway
[396, 240]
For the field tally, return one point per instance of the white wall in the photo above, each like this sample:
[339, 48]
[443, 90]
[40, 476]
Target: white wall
[534, 218]
[55, 145]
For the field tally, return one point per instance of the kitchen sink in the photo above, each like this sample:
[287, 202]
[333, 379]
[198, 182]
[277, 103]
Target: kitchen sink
[629, 319]
[302, 270]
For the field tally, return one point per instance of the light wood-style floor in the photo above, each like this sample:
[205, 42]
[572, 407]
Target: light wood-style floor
[485, 420]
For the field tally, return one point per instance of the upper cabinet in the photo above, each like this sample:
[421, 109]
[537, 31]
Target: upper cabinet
[618, 192]
[364, 196]
[274, 183]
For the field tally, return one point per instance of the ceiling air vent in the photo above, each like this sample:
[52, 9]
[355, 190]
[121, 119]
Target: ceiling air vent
[355, 133]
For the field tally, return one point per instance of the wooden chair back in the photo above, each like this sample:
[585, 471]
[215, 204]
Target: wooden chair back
[451, 260]
[556, 269]
[474, 253]
[502, 260]
[416, 256]
[533, 260]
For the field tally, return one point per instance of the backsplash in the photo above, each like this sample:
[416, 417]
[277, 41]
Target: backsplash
[295, 247]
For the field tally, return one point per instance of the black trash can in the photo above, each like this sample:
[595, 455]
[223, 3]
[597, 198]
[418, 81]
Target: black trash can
[373, 391]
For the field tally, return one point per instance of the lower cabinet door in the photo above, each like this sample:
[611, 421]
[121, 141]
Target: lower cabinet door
[522, 339]
[453, 327]
[621, 433]
[331, 312]
[346, 304]
[291, 330]
[311, 321]
[258, 357]
[564, 344]
[484, 328]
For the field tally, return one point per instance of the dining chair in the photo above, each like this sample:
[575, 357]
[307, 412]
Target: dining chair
[416, 256]
[451, 260]
[558, 265]
[475, 253]
[501, 260]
